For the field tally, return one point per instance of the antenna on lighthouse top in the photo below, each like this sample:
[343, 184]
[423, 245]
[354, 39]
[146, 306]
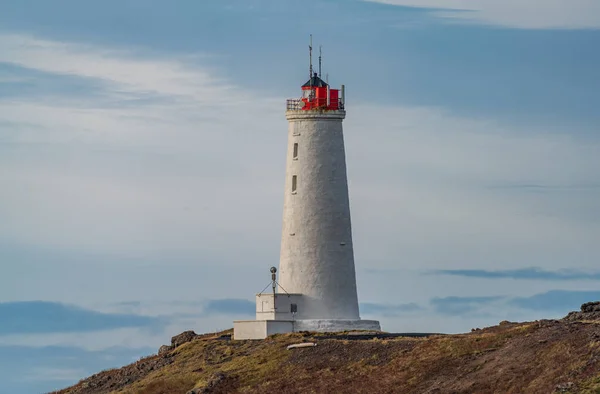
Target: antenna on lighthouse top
[320, 56]
[310, 72]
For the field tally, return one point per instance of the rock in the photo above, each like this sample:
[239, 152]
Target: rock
[164, 349]
[564, 387]
[182, 338]
[589, 311]
[589, 307]
[301, 345]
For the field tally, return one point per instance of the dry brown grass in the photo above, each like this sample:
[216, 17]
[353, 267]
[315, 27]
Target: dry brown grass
[167, 386]
[511, 358]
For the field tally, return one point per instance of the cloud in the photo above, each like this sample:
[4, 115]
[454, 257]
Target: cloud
[182, 192]
[526, 14]
[462, 305]
[184, 308]
[63, 375]
[119, 70]
[136, 155]
[25, 369]
[388, 310]
[524, 273]
[30, 317]
[153, 179]
[230, 307]
[551, 302]
[128, 324]
[556, 300]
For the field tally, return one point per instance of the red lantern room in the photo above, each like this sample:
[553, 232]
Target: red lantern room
[316, 93]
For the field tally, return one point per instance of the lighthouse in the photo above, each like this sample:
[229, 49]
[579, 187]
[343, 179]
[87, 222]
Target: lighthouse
[315, 289]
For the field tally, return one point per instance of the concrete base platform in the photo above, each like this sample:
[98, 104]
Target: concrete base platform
[260, 329]
[336, 325]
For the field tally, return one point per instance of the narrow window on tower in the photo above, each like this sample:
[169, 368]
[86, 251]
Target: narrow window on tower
[295, 157]
[294, 183]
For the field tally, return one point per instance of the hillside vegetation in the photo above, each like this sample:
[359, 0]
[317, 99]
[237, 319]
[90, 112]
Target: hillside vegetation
[544, 356]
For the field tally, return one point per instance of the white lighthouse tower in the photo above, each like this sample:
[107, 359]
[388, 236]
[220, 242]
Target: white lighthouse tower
[317, 280]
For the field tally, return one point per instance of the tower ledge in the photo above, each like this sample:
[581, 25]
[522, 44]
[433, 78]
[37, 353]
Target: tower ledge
[261, 329]
[315, 114]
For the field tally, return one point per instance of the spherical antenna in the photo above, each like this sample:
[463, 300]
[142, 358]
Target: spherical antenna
[273, 270]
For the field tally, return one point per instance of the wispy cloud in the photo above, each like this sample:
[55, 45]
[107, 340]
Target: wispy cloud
[125, 92]
[388, 310]
[165, 174]
[546, 304]
[29, 317]
[55, 374]
[25, 369]
[112, 165]
[462, 305]
[556, 300]
[146, 122]
[131, 326]
[229, 307]
[122, 71]
[523, 273]
[527, 14]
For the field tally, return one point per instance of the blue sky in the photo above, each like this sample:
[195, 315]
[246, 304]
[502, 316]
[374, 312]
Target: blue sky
[142, 149]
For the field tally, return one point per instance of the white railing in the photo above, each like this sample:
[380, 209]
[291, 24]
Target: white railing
[298, 104]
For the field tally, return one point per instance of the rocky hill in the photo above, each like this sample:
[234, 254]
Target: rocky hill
[546, 356]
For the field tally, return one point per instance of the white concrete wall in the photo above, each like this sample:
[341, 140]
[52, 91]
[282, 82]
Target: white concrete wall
[336, 325]
[260, 329]
[279, 327]
[265, 308]
[317, 258]
[249, 329]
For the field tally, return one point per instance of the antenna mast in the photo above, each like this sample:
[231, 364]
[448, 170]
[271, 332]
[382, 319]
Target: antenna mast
[320, 56]
[274, 284]
[310, 59]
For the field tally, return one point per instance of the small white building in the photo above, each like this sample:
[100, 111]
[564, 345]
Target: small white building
[316, 290]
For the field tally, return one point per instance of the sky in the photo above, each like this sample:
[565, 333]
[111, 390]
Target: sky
[142, 160]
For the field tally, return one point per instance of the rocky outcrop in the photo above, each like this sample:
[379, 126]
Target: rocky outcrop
[184, 337]
[164, 349]
[178, 340]
[589, 311]
[589, 307]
